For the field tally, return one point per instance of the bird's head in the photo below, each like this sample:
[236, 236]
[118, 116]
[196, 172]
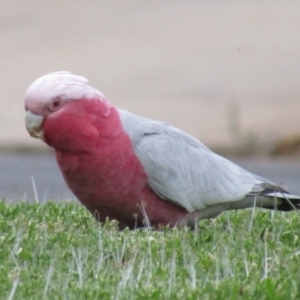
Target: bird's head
[61, 109]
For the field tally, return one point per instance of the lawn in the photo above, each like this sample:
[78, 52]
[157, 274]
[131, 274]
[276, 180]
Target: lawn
[58, 251]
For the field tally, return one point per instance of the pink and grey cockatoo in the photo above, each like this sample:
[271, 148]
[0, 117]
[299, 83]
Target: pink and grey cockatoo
[136, 170]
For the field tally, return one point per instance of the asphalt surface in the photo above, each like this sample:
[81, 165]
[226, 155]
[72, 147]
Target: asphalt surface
[21, 175]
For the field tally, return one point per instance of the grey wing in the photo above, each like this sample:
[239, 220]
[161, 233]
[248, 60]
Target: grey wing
[181, 169]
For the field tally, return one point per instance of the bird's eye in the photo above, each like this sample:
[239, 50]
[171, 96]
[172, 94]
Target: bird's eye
[55, 104]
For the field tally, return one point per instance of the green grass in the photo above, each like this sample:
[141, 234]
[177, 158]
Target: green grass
[58, 251]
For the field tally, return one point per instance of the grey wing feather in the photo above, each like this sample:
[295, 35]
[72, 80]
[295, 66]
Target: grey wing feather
[181, 169]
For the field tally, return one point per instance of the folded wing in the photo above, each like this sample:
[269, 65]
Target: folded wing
[181, 169]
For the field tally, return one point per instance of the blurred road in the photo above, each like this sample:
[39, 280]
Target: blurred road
[18, 172]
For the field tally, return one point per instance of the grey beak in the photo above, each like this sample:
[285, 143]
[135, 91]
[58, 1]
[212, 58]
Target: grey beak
[33, 124]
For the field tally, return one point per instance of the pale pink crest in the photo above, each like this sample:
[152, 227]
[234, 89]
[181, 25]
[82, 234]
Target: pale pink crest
[63, 85]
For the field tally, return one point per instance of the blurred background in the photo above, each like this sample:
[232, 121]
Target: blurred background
[227, 72]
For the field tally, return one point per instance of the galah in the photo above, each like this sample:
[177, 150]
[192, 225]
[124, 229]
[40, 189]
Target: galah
[138, 171]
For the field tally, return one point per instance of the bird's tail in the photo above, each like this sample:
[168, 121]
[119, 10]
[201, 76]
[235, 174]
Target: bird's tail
[283, 201]
[270, 196]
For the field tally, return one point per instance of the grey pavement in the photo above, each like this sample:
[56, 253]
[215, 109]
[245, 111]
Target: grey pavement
[20, 173]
